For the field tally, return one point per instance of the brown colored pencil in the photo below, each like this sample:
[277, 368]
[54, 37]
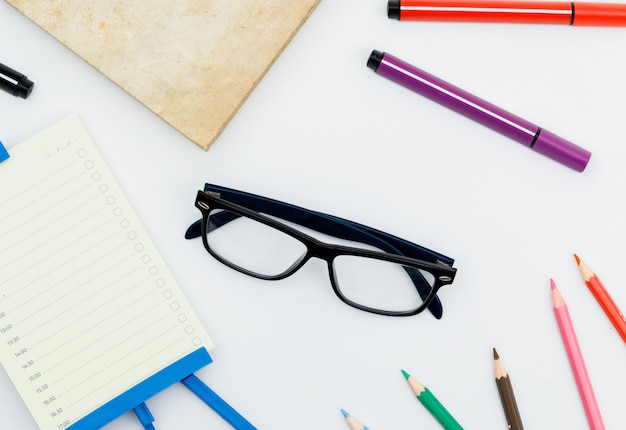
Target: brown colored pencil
[505, 389]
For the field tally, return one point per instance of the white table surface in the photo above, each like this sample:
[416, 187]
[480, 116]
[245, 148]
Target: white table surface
[323, 131]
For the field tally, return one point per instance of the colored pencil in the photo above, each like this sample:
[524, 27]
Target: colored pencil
[505, 389]
[602, 296]
[431, 404]
[353, 422]
[576, 359]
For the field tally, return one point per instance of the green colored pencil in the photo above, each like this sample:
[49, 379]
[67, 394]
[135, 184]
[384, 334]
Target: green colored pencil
[431, 403]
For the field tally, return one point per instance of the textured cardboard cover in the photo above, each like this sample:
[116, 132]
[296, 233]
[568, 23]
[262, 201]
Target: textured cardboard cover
[192, 62]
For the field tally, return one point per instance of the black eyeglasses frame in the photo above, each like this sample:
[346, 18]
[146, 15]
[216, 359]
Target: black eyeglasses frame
[216, 197]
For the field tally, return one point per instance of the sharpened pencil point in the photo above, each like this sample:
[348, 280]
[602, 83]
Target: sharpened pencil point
[345, 414]
[577, 259]
[406, 375]
[495, 354]
[552, 284]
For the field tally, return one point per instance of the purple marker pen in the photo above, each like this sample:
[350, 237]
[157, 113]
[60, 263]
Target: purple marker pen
[481, 111]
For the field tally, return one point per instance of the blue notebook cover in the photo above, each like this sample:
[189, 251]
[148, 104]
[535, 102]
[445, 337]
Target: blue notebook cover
[143, 391]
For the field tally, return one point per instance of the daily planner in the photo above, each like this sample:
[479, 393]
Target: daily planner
[92, 322]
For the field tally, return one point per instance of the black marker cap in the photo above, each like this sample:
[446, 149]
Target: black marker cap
[393, 9]
[376, 57]
[13, 82]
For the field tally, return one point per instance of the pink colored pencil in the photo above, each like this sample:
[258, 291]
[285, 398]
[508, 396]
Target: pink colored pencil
[576, 359]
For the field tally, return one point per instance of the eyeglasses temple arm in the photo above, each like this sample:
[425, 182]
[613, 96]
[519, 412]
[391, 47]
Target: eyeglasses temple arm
[331, 225]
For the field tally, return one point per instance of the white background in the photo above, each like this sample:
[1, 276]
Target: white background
[323, 131]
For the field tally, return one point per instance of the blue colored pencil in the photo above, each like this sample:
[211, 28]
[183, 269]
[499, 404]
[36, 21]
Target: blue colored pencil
[353, 422]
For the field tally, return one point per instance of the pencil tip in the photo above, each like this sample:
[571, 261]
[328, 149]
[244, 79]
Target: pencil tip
[345, 414]
[577, 259]
[406, 375]
[552, 284]
[495, 354]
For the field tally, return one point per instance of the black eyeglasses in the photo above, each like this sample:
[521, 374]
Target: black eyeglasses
[255, 235]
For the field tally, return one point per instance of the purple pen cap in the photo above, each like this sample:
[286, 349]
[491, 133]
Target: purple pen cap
[561, 150]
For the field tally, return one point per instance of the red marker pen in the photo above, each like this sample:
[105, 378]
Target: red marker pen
[510, 11]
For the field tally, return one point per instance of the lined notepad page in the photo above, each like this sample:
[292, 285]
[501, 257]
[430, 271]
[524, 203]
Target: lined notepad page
[88, 309]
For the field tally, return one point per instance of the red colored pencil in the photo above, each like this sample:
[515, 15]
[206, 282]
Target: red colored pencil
[602, 296]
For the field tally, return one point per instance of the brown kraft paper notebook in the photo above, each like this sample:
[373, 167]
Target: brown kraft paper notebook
[192, 62]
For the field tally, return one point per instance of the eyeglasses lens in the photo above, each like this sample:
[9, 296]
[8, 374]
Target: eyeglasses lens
[380, 284]
[252, 245]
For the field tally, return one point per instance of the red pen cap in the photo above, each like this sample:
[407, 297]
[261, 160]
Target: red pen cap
[600, 14]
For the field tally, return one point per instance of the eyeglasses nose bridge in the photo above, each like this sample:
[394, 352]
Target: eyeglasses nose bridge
[316, 249]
